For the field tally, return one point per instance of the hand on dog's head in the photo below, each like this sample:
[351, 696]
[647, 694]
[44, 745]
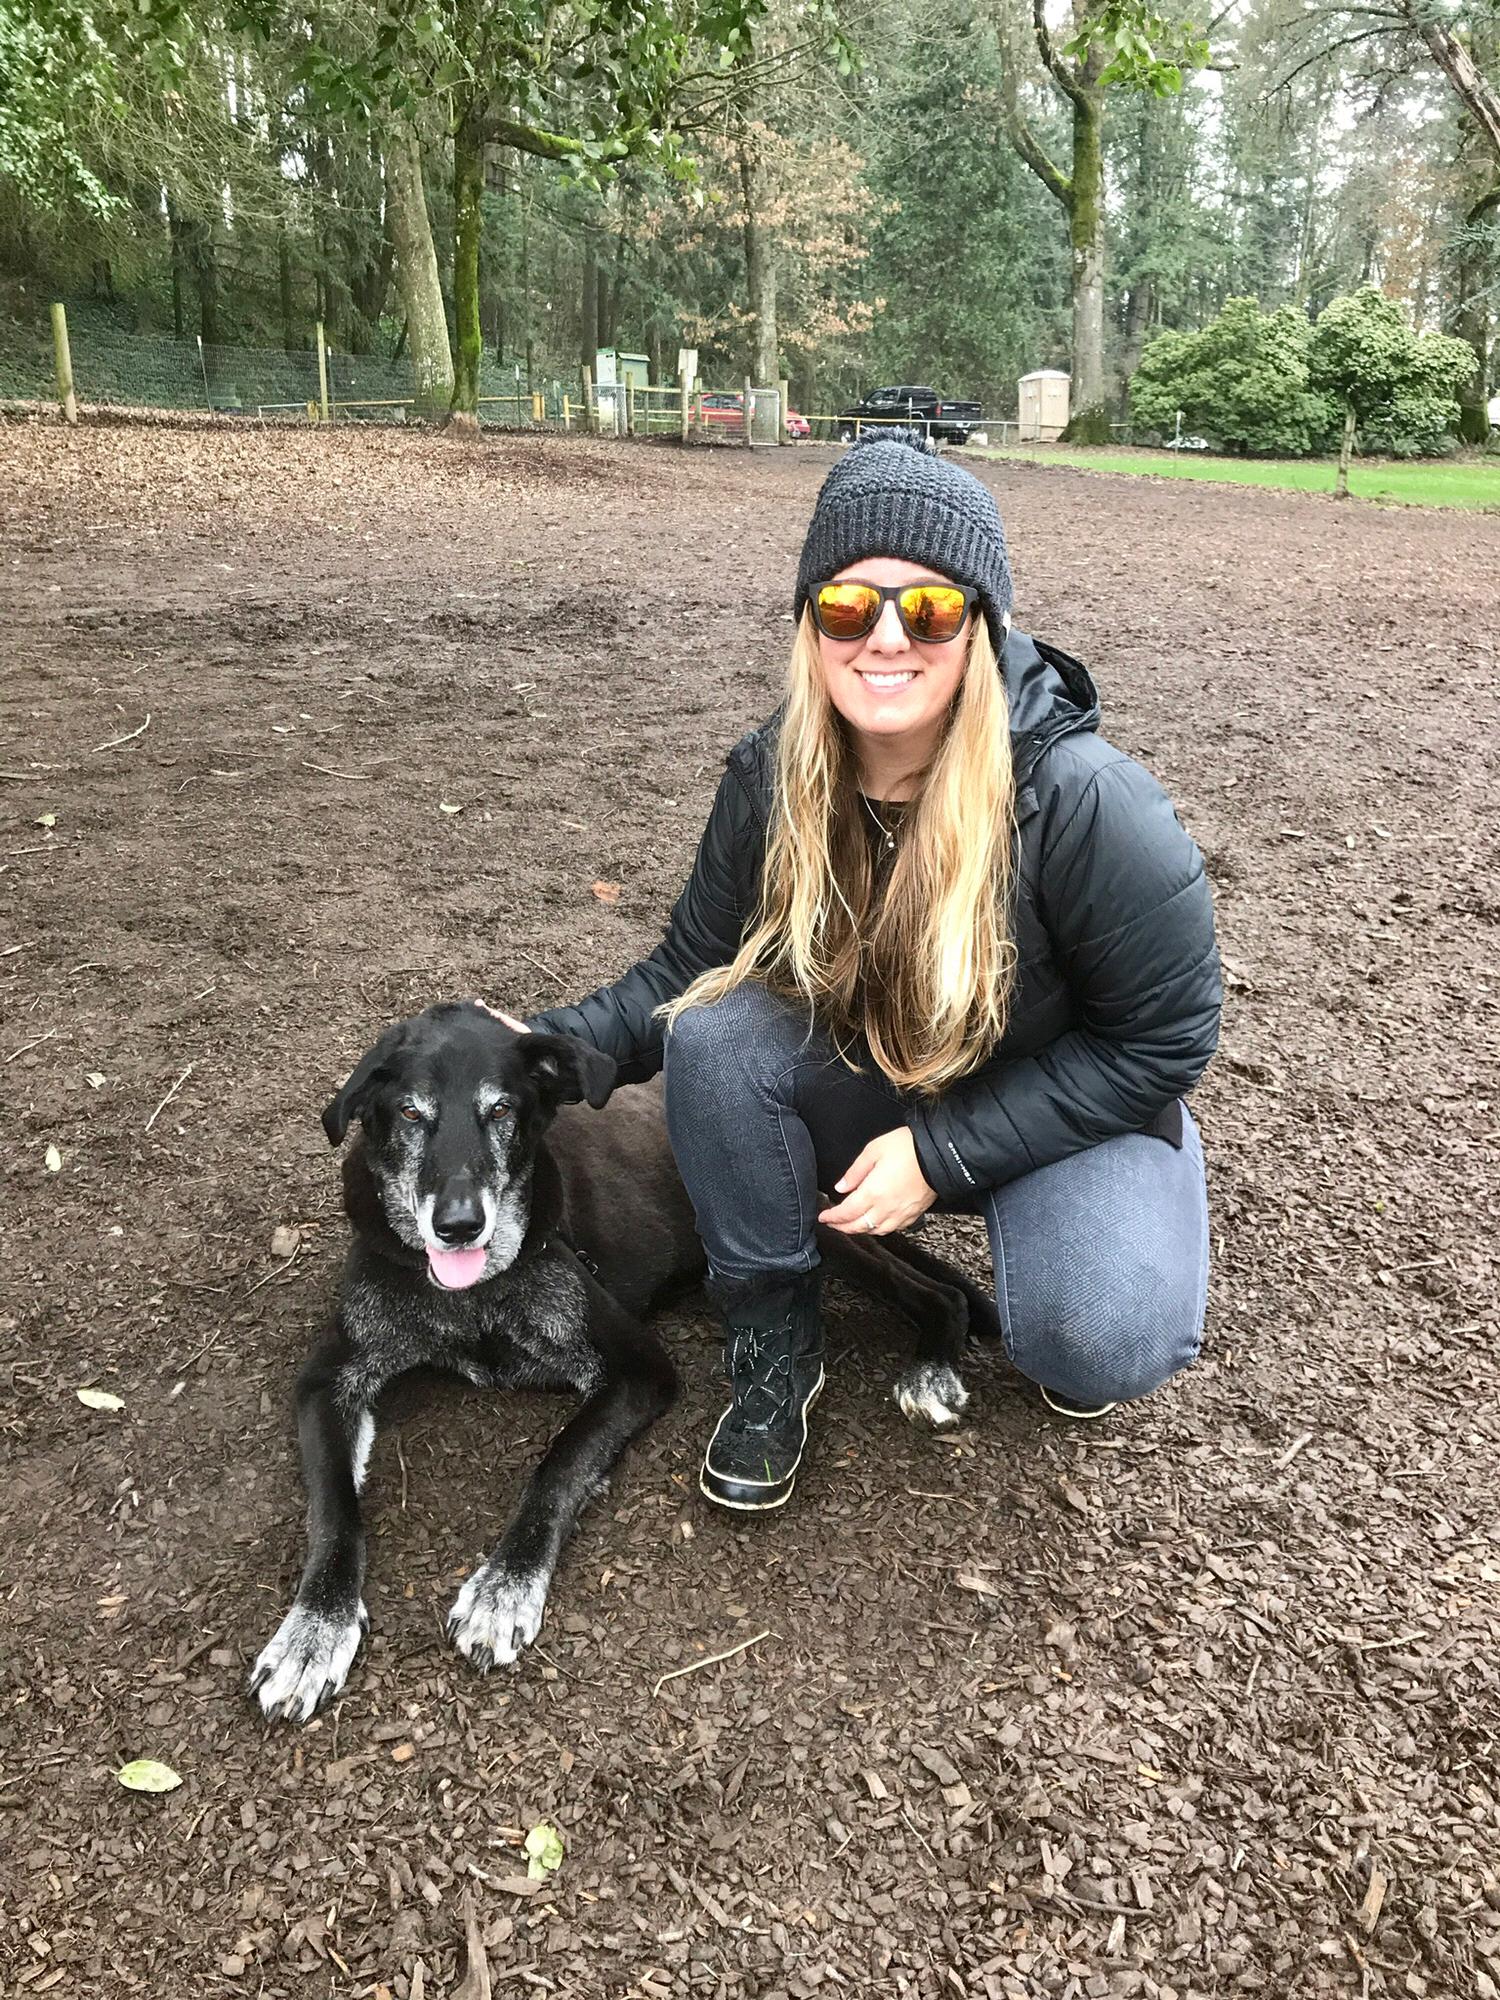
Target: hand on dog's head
[452, 1047]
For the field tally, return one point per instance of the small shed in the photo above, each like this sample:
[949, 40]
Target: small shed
[1042, 398]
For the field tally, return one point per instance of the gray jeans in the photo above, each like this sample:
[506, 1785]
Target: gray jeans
[1100, 1260]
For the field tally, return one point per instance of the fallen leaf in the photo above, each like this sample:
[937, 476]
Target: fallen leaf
[607, 892]
[99, 1399]
[443, 807]
[53, 1159]
[95, 1079]
[146, 1775]
[47, 819]
[980, 1585]
[544, 1851]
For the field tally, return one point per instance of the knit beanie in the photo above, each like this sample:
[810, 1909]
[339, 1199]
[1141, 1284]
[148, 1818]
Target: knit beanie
[892, 495]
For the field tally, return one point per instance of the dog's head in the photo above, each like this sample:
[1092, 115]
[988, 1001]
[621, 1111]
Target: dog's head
[453, 1104]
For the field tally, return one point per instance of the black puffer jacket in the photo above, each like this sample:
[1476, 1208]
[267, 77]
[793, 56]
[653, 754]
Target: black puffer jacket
[1116, 1007]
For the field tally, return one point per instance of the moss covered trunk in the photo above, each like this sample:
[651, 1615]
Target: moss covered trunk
[468, 195]
[1088, 409]
[417, 274]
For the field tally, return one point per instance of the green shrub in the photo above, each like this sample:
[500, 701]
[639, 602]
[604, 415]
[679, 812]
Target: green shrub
[1402, 386]
[1242, 382]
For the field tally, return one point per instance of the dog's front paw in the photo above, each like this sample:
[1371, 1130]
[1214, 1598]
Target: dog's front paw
[306, 1663]
[930, 1392]
[498, 1611]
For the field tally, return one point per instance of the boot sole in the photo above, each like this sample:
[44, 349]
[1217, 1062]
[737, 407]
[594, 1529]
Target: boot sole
[776, 1495]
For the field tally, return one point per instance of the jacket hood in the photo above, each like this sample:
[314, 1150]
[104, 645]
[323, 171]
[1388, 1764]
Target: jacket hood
[1050, 695]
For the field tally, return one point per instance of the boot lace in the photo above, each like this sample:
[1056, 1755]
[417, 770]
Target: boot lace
[760, 1375]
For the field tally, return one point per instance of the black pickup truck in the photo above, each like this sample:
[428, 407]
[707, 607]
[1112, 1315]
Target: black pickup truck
[908, 403]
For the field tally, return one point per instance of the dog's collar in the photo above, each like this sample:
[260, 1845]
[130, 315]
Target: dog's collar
[556, 1243]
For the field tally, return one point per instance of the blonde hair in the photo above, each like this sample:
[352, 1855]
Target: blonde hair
[923, 969]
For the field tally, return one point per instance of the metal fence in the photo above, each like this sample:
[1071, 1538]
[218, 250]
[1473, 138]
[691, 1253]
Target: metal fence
[112, 368]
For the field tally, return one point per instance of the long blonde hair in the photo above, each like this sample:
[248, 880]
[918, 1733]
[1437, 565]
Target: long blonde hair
[924, 968]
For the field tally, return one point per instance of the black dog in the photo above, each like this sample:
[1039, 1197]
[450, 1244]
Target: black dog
[516, 1258]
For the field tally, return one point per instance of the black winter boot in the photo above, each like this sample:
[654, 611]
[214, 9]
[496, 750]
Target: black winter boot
[773, 1356]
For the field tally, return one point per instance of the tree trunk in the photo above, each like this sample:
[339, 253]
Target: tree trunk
[1088, 410]
[1471, 319]
[417, 273]
[1346, 452]
[175, 233]
[588, 324]
[760, 261]
[206, 273]
[468, 193]
[1477, 93]
[284, 289]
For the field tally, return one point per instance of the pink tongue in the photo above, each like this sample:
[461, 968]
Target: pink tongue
[457, 1269]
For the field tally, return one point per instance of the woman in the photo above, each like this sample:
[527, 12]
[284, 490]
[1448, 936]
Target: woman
[941, 946]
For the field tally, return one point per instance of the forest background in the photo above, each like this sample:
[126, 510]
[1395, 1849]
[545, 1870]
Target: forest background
[841, 194]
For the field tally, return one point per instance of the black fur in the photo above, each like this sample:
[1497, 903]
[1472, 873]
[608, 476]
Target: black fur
[588, 1228]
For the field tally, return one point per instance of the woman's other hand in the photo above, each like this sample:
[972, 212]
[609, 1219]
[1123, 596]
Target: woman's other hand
[883, 1189]
[509, 1019]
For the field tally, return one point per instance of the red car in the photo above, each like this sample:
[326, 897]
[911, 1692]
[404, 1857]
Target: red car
[726, 408]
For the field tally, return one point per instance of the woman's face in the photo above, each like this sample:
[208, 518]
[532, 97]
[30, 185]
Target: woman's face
[890, 689]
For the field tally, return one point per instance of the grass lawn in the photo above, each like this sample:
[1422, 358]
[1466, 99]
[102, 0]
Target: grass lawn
[1471, 482]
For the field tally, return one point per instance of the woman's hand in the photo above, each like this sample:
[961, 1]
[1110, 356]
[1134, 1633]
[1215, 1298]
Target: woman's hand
[883, 1189]
[509, 1019]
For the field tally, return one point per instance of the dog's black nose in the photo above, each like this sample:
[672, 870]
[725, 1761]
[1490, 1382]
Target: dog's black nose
[457, 1218]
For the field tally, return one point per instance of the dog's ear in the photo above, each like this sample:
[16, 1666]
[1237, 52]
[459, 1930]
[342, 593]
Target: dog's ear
[567, 1070]
[352, 1100]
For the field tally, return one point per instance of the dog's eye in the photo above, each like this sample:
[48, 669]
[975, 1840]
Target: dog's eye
[410, 1111]
[498, 1113]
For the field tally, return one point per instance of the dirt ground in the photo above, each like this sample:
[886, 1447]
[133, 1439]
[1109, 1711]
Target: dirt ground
[1203, 1700]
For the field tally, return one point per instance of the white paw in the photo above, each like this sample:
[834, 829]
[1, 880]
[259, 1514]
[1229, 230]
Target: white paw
[306, 1663]
[930, 1393]
[498, 1611]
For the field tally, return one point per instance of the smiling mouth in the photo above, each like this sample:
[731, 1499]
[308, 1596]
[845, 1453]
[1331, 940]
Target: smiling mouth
[885, 683]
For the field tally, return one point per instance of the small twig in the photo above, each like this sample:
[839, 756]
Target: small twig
[401, 1461]
[547, 969]
[1292, 1450]
[917, 1831]
[115, 741]
[711, 1660]
[30, 1045]
[276, 1273]
[354, 777]
[169, 1096]
[17, 947]
[1380, 1645]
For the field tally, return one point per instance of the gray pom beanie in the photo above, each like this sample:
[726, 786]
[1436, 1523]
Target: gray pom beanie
[892, 495]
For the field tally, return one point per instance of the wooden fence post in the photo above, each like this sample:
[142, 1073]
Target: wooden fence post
[629, 407]
[67, 402]
[749, 399]
[590, 414]
[784, 396]
[685, 400]
[567, 414]
[322, 373]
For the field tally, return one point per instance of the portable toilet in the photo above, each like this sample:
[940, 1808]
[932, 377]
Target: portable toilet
[1042, 399]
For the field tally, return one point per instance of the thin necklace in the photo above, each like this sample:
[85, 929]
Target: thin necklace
[885, 832]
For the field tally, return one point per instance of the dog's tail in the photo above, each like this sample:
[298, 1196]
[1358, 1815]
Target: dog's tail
[984, 1316]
